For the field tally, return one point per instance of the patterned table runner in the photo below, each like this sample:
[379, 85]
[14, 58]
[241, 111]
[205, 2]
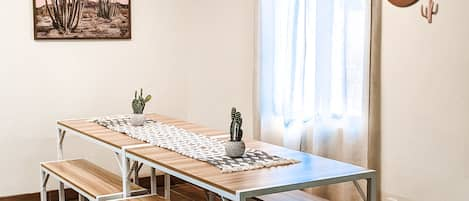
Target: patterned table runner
[192, 145]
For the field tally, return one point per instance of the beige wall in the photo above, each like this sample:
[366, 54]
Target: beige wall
[189, 55]
[425, 103]
[196, 58]
[219, 60]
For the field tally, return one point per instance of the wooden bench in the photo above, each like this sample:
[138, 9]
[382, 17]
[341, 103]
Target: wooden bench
[86, 178]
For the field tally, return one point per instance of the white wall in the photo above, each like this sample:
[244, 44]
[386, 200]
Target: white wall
[188, 55]
[425, 103]
[220, 60]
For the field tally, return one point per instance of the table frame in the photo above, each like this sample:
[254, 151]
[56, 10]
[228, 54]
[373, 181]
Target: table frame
[123, 157]
[369, 176]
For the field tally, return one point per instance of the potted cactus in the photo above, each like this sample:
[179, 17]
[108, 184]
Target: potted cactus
[235, 147]
[138, 105]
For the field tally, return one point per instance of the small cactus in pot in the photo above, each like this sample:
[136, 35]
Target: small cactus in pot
[235, 147]
[236, 131]
[138, 106]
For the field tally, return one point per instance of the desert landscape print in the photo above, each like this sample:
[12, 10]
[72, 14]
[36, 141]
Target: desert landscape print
[82, 19]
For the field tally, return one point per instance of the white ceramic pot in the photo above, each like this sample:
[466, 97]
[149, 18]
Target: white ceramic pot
[137, 119]
[235, 148]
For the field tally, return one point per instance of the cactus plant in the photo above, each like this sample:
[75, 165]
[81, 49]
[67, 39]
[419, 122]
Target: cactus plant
[65, 14]
[138, 104]
[107, 9]
[236, 131]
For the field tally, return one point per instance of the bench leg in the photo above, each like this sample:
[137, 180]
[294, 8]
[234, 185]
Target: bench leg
[167, 186]
[44, 180]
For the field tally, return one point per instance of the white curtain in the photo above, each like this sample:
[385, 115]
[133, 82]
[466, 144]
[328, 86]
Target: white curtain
[314, 79]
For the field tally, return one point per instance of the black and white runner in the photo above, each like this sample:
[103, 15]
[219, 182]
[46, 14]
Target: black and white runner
[192, 145]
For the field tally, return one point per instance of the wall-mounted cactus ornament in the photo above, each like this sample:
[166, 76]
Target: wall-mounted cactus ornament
[429, 11]
[236, 131]
[138, 104]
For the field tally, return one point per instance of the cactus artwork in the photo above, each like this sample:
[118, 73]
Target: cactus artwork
[82, 19]
[65, 14]
[107, 9]
[236, 131]
[139, 102]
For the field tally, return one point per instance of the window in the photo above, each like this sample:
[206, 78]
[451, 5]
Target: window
[314, 59]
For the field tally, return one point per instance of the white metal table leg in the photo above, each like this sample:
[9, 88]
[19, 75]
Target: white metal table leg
[60, 139]
[239, 197]
[154, 184]
[132, 168]
[125, 179]
[136, 172]
[167, 186]
[118, 159]
[360, 190]
[125, 168]
[371, 188]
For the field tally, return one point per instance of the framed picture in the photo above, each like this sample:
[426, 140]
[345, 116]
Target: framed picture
[82, 19]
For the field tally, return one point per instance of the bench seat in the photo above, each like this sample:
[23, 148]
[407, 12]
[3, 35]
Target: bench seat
[88, 179]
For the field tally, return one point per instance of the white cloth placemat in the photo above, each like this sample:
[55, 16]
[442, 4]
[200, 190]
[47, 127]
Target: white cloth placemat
[191, 144]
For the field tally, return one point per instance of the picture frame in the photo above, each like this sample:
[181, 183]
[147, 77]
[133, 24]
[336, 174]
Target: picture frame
[82, 19]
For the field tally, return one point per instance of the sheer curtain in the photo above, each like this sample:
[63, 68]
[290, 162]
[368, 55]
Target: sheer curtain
[314, 80]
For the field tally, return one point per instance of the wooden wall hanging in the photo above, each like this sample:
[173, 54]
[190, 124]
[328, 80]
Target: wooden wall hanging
[426, 11]
[82, 19]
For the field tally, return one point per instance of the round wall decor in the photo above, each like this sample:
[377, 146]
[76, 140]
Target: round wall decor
[403, 3]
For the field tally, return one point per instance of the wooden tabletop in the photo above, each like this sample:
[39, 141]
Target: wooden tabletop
[100, 133]
[119, 140]
[311, 167]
